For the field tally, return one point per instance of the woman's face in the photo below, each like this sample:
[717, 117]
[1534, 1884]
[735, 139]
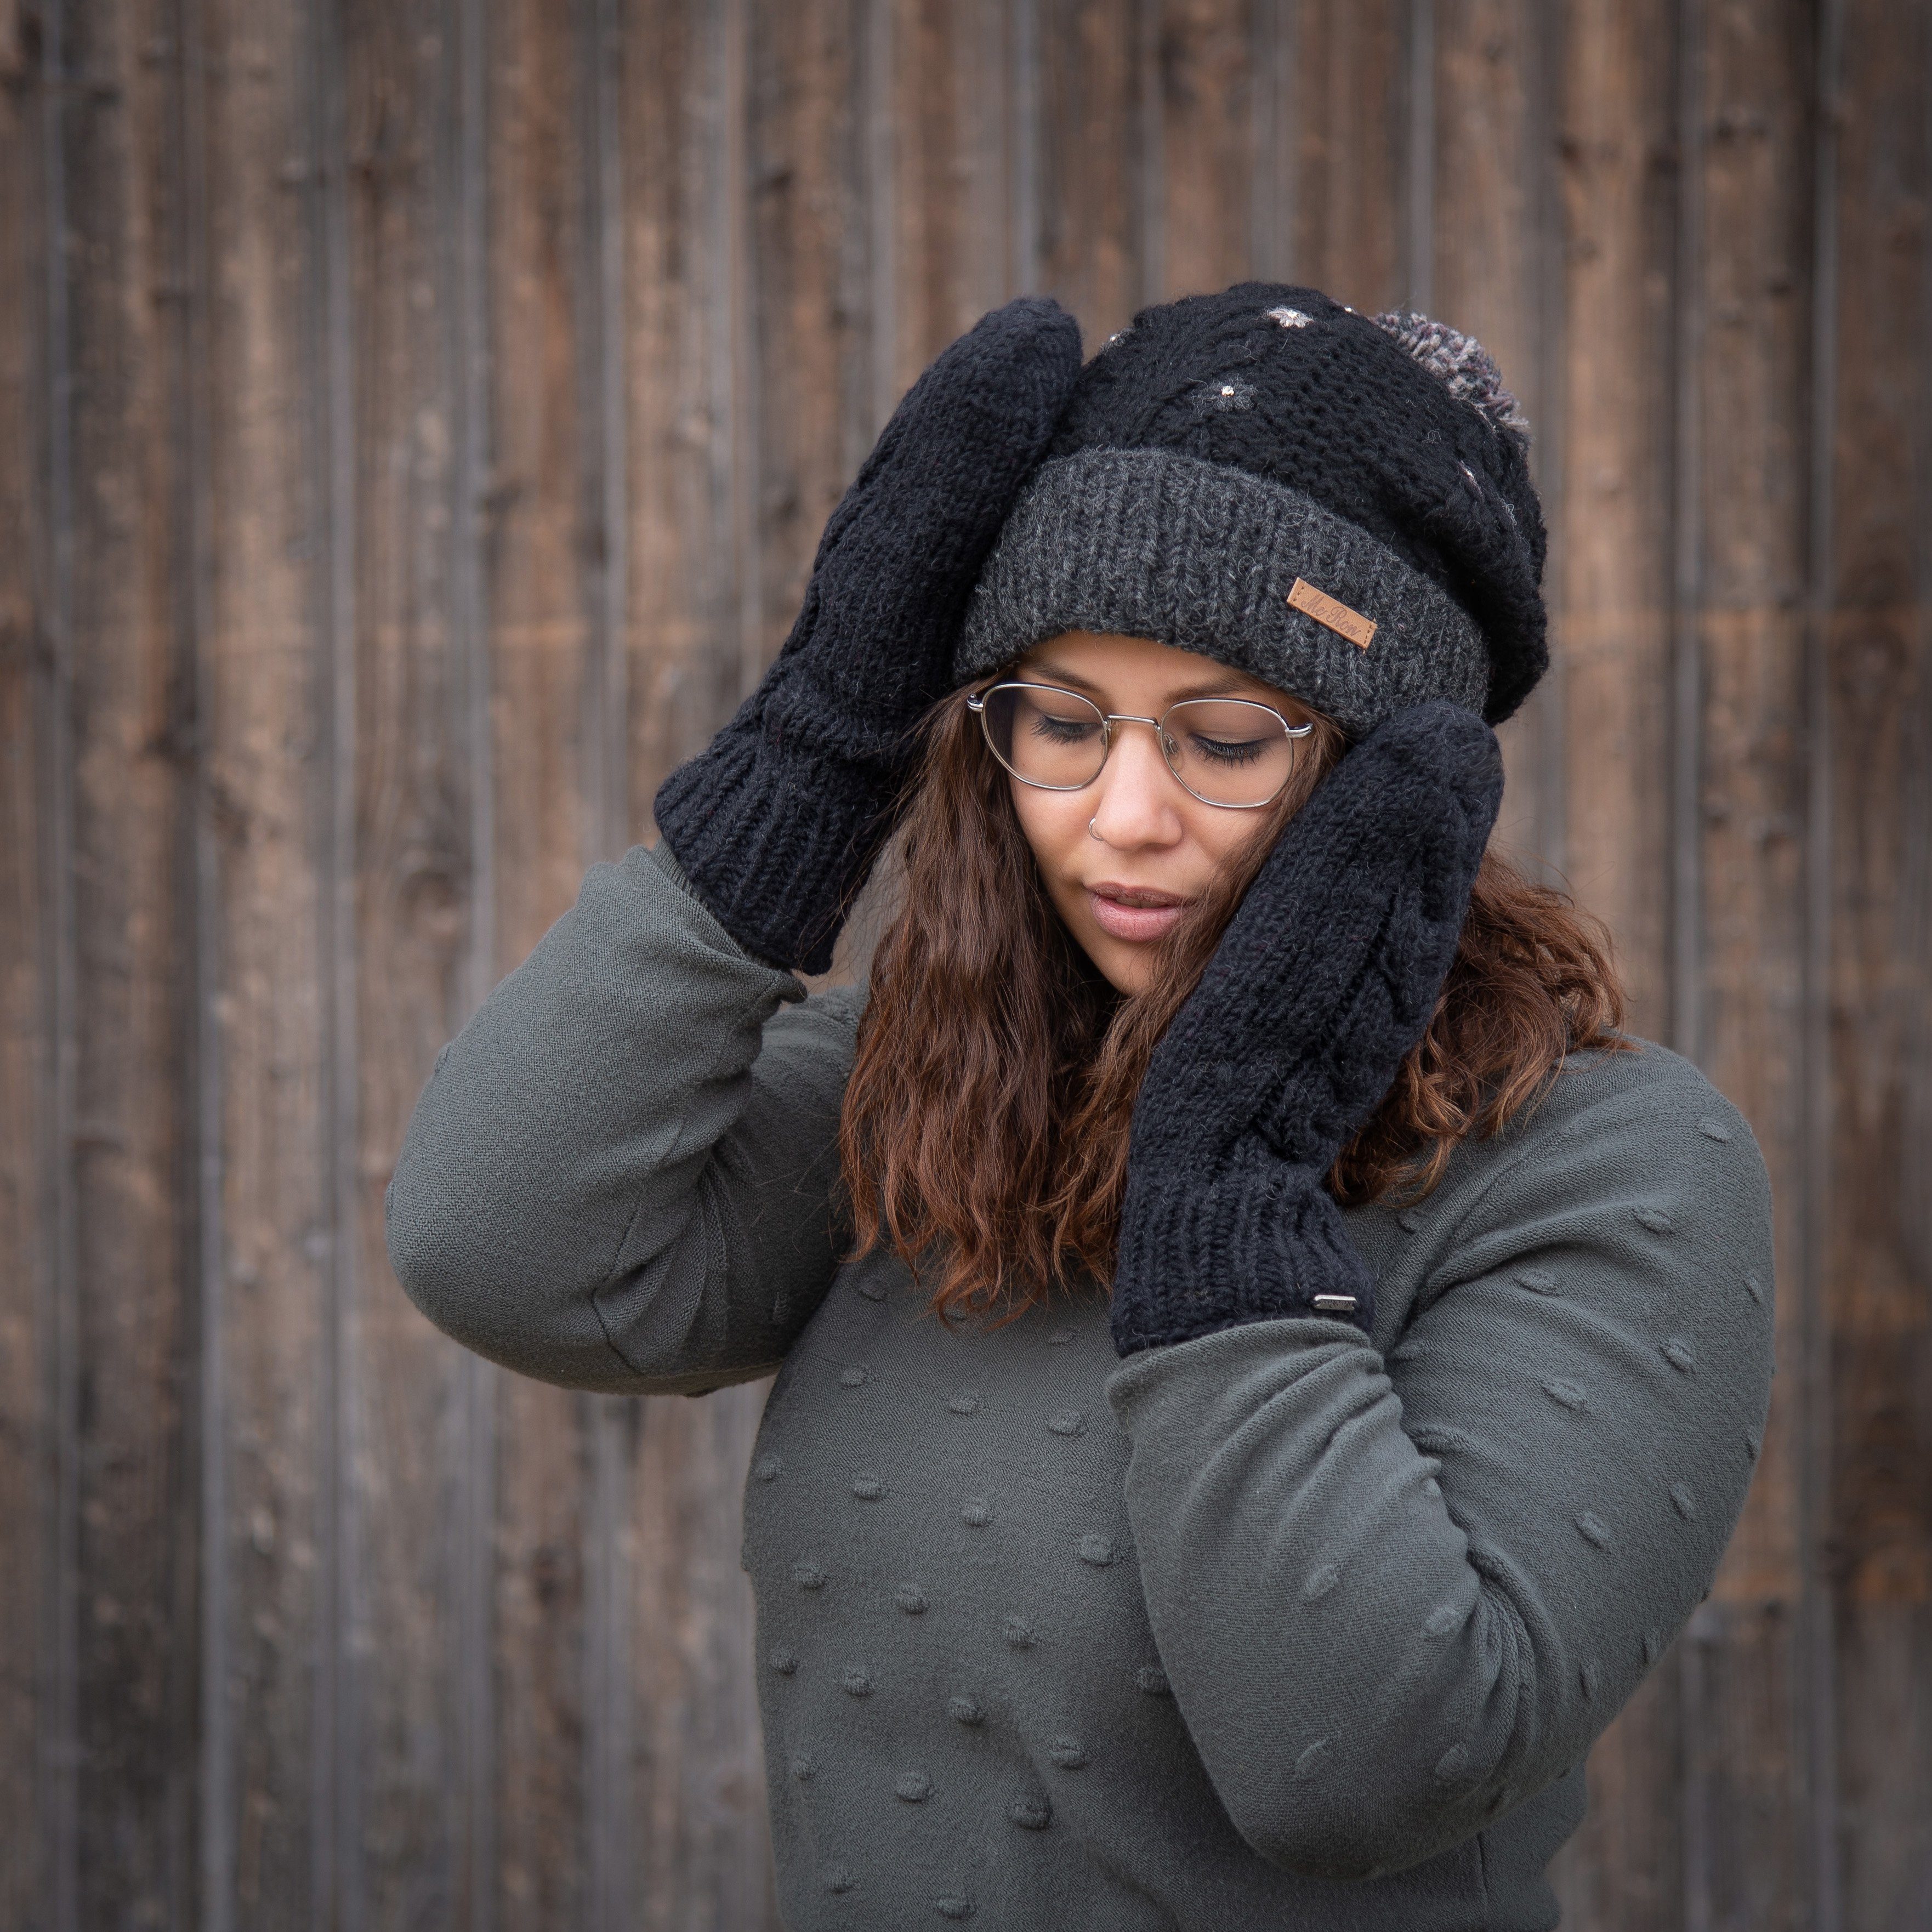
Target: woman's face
[1123, 856]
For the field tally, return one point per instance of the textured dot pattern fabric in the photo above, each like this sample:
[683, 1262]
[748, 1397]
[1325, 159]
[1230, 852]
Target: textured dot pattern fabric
[1369, 1596]
[1377, 424]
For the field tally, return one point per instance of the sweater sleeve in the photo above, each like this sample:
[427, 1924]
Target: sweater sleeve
[621, 1173]
[1394, 1597]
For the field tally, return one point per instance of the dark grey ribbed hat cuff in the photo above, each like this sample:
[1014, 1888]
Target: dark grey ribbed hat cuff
[1149, 543]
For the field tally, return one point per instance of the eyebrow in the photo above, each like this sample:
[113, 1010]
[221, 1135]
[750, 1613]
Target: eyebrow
[1213, 687]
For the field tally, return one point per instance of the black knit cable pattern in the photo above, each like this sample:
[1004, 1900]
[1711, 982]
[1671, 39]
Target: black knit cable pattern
[1326, 977]
[1331, 404]
[778, 822]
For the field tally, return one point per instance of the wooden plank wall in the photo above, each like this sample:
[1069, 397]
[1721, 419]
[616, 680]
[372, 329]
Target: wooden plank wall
[416, 417]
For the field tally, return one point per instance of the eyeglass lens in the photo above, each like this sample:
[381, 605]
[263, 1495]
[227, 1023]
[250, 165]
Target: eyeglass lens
[1225, 750]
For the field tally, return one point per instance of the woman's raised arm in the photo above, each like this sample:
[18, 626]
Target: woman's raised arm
[621, 1175]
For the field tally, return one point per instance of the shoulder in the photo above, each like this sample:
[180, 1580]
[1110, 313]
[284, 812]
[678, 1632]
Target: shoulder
[1640, 1078]
[1631, 1158]
[1632, 1154]
[1642, 1113]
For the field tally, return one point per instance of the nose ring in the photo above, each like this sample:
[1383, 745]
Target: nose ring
[1091, 833]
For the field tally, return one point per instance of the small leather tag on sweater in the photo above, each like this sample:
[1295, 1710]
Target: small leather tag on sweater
[1333, 613]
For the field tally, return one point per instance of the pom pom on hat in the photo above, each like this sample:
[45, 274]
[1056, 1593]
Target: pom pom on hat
[1461, 361]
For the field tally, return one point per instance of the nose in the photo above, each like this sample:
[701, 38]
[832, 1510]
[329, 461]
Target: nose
[1136, 792]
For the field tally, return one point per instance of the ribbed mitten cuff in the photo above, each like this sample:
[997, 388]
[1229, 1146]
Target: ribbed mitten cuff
[775, 838]
[1257, 1243]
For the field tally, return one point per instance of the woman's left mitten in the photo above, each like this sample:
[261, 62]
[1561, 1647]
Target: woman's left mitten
[1327, 977]
[776, 824]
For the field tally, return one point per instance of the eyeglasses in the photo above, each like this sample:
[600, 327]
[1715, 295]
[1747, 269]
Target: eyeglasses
[1228, 751]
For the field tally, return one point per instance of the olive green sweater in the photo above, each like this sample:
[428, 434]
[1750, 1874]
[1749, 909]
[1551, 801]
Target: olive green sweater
[1278, 1627]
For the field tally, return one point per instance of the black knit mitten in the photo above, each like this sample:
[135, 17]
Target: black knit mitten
[776, 824]
[1326, 977]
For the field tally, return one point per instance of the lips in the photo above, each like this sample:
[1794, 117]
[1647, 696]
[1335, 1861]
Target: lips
[1134, 913]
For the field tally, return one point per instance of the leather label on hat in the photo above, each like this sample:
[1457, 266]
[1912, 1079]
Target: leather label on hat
[1333, 613]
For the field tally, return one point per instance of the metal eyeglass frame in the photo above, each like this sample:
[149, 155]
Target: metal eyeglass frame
[976, 703]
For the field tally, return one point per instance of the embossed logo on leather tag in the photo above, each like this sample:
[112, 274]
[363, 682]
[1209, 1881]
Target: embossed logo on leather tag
[1333, 613]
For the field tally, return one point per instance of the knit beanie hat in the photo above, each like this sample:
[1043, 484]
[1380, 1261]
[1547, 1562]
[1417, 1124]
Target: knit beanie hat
[1338, 506]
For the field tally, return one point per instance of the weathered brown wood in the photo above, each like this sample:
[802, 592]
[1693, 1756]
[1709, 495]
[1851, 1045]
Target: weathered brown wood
[1092, 234]
[1877, 1232]
[1205, 82]
[262, 545]
[1352, 127]
[951, 200]
[33, 900]
[132, 1170]
[1485, 267]
[1611, 533]
[1741, 941]
[550, 548]
[408, 1453]
[698, 1834]
[811, 343]
[1610, 598]
[460, 387]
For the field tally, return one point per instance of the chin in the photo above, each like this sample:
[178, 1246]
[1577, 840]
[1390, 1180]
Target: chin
[1128, 970]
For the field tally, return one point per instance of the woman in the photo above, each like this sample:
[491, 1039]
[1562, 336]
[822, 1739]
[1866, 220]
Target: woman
[1266, 1367]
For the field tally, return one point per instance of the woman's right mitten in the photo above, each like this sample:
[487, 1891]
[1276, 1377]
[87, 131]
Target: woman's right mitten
[776, 824]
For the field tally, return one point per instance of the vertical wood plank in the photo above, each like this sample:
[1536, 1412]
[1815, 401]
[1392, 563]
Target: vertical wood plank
[132, 1144]
[1611, 602]
[1208, 83]
[409, 1456]
[1485, 263]
[265, 819]
[1274, 197]
[952, 201]
[810, 343]
[549, 547]
[1611, 606]
[1351, 118]
[1092, 221]
[1748, 141]
[464, 178]
[699, 1847]
[330, 426]
[33, 900]
[1877, 1232]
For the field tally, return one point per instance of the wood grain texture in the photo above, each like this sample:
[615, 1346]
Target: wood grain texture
[812, 341]
[697, 1837]
[406, 1454]
[951, 114]
[1092, 189]
[1486, 267]
[1350, 111]
[553, 764]
[1877, 637]
[416, 422]
[1611, 598]
[1610, 525]
[1204, 85]
[133, 1172]
[34, 897]
[1742, 941]
[265, 822]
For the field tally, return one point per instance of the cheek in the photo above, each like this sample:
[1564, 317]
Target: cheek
[1220, 835]
[1054, 822]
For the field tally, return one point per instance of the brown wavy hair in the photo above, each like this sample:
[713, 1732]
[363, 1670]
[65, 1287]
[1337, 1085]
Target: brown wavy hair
[984, 1134]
